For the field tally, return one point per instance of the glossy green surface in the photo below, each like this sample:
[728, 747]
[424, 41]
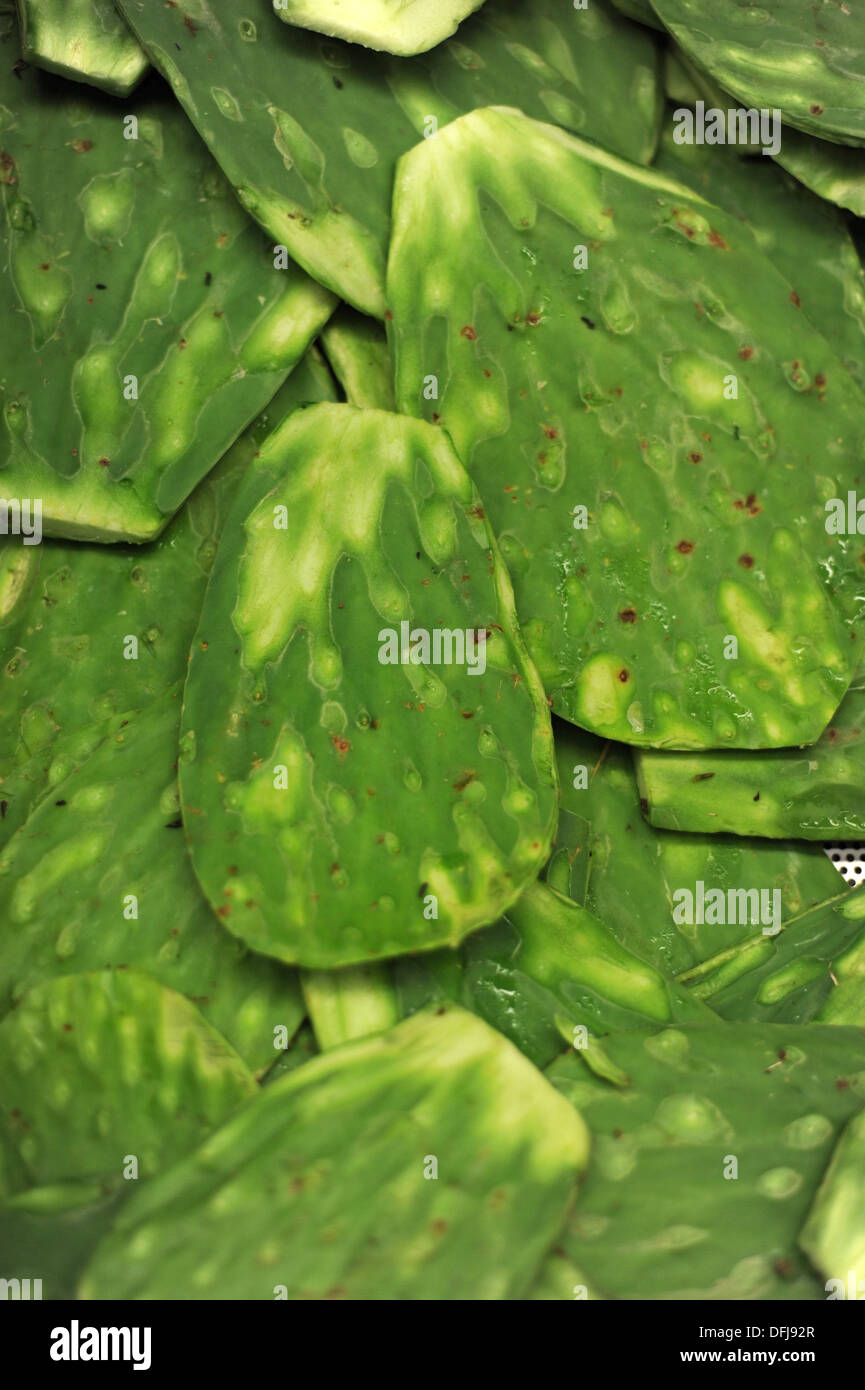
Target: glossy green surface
[361, 807]
[647, 433]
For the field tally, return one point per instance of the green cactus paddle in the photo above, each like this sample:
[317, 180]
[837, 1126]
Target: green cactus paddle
[433, 1162]
[388, 786]
[643, 407]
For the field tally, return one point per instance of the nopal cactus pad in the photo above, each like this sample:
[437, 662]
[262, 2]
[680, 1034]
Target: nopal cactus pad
[166, 1078]
[705, 1163]
[643, 408]
[806, 60]
[403, 27]
[387, 784]
[82, 39]
[146, 321]
[432, 1162]
[309, 129]
[94, 872]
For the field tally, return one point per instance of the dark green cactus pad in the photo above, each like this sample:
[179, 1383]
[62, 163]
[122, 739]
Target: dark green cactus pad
[634, 873]
[405, 27]
[815, 793]
[145, 321]
[67, 609]
[82, 39]
[324, 1187]
[666, 537]
[807, 61]
[362, 807]
[94, 872]
[834, 1234]
[657, 1218]
[820, 262]
[309, 129]
[358, 353]
[166, 1078]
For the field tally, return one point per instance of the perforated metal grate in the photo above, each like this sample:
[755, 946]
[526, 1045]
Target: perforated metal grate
[849, 860]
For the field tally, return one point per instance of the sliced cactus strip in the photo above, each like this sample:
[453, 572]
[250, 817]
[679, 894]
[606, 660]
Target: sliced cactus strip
[88, 632]
[309, 129]
[648, 434]
[82, 39]
[403, 27]
[806, 61]
[166, 1078]
[834, 1234]
[94, 872]
[821, 262]
[146, 322]
[433, 1162]
[815, 793]
[764, 923]
[357, 350]
[704, 1164]
[390, 786]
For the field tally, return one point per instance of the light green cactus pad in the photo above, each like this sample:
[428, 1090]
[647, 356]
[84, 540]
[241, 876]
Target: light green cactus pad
[834, 1233]
[146, 323]
[69, 609]
[82, 39]
[166, 1078]
[705, 1158]
[403, 27]
[309, 129]
[94, 872]
[388, 784]
[821, 262]
[648, 434]
[807, 61]
[433, 1162]
[358, 353]
[815, 793]
[762, 949]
